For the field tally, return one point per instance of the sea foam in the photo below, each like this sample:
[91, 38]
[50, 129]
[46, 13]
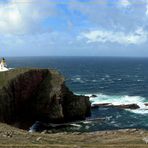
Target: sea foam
[120, 100]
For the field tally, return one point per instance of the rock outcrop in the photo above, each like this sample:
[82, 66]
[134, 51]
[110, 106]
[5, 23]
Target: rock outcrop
[28, 95]
[123, 106]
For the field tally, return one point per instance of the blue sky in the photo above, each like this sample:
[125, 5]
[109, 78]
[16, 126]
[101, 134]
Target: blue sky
[74, 28]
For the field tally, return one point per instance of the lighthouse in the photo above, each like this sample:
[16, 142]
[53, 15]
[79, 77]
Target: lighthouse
[3, 65]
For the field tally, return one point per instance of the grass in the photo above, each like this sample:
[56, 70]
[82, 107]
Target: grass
[102, 139]
[8, 75]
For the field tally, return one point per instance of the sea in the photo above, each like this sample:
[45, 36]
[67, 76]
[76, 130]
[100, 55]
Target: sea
[116, 80]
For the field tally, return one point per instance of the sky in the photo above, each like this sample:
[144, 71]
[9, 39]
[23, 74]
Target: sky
[74, 28]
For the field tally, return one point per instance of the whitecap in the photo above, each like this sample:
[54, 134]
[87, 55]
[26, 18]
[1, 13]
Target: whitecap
[107, 76]
[118, 116]
[77, 79]
[86, 122]
[119, 79]
[94, 80]
[102, 79]
[113, 122]
[109, 117]
[87, 127]
[101, 87]
[121, 100]
[140, 111]
[139, 80]
[75, 125]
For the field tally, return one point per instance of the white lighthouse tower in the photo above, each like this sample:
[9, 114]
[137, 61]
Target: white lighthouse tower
[3, 65]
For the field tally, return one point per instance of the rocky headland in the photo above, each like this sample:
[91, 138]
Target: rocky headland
[29, 95]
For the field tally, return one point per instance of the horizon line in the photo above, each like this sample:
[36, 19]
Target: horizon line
[74, 56]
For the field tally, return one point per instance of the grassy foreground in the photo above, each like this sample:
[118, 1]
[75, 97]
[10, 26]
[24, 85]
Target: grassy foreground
[13, 137]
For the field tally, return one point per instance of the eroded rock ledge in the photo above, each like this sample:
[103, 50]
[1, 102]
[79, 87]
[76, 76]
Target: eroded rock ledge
[27, 95]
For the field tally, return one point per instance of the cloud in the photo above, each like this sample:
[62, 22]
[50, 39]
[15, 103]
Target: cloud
[44, 42]
[19, 17]
[146, 12]
[53, 26]
[124, 3]
[111, 13]
[139, 36]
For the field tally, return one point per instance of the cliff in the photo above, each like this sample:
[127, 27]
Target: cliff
[28, 95]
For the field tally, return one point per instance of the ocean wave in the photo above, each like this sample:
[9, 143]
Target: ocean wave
[119, 79]
[94, 81]
[77, 80]
[139, 80]
[120, 100]
[107, 76]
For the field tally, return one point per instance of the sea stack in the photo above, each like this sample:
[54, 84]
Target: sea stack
[29, 95]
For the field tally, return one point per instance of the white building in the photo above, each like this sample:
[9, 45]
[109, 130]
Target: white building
[3, 65]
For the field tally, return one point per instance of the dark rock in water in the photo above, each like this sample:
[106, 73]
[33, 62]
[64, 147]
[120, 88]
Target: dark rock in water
[123, 106]
[29, 95]
[128, 106]
[146, 104]
[100, 105]
[93, 96]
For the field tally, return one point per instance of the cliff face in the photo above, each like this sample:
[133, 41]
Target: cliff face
[28, 95]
